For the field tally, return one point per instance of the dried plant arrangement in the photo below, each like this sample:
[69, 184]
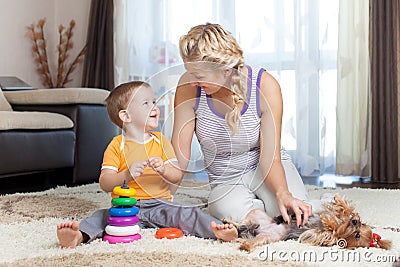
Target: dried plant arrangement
[65, 45]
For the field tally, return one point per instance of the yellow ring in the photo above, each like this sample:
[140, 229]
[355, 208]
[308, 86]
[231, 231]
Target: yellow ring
[124, 192]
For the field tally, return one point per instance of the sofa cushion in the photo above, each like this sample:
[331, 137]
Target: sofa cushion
[11, 120]
[57, 96]
[25, 151]
[4, 105]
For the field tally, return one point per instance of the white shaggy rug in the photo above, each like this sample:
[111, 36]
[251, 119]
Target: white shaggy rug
[28, 234]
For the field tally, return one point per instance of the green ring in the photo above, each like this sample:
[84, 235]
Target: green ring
[123, 201]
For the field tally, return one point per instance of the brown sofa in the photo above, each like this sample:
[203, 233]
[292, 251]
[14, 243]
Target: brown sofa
[53, 130]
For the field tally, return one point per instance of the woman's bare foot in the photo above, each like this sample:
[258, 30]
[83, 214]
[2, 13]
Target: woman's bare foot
[226, 232]
[68, 234]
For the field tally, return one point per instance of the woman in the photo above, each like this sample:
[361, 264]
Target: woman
[236, 112]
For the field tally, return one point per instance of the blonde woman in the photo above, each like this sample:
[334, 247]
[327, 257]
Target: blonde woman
[236, 112]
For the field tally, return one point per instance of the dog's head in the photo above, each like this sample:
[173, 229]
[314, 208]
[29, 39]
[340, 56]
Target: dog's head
[346, 228]
[364, 237]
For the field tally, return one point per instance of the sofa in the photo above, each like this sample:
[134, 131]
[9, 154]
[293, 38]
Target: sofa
[54, 131]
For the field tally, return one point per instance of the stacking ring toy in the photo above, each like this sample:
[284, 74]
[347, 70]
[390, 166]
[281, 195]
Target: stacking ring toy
[121, 239]
[169, 233]
[122, 231]
[124, 192]
[116, 212]
[123, 221]
[124, 201]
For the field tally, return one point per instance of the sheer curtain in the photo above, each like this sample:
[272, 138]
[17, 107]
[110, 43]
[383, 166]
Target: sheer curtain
[295, 40]
[353, 123]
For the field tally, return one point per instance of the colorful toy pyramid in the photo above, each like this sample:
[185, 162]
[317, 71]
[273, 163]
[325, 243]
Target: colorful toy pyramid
[123, 221]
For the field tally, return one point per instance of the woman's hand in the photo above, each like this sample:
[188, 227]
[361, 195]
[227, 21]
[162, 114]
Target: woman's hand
[301, 209]
[137, 168]
[157, 164]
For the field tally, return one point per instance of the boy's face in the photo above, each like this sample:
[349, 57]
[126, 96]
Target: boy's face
[142, 110]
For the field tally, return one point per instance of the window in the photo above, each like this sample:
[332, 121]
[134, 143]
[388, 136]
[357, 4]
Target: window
[295, 40]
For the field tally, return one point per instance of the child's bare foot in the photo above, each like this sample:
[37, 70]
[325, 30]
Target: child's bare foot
[69, 235]
[226, 232]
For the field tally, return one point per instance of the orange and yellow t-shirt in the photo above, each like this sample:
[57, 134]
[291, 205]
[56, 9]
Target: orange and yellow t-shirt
[122, 152]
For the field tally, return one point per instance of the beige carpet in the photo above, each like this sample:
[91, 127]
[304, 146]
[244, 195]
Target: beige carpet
[28, 234]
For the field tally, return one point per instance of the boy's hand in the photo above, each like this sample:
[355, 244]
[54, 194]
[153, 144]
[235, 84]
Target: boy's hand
[157, 164]
[137, 168]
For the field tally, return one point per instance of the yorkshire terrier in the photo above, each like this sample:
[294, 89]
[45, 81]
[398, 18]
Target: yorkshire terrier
[337, 224]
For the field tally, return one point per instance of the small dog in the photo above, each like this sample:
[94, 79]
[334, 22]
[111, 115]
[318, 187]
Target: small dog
[337, 224]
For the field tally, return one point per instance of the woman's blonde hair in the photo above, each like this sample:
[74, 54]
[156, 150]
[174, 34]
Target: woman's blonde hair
[211, 43]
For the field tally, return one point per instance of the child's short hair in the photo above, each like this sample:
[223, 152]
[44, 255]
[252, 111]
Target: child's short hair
[120, 98]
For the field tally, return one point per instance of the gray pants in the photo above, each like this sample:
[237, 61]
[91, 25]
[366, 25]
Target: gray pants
[233, 200]
[156, 213]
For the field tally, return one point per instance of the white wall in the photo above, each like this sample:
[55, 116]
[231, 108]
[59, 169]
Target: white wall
[15, 47]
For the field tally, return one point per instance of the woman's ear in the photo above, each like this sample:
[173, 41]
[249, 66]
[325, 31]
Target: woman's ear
[227, 72]
[124, 115]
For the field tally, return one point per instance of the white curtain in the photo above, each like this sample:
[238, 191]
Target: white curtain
[295, 40]
[121, 47]
[353, 133]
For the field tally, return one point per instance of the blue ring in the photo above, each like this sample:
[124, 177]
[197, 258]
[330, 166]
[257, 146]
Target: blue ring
[122, 212]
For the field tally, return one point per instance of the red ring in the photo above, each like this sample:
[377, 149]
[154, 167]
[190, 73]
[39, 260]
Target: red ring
[169, 233]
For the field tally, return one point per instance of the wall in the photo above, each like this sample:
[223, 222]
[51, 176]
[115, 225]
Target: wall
[15, 47]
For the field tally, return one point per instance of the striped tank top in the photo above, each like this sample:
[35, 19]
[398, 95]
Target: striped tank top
[226, 156]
